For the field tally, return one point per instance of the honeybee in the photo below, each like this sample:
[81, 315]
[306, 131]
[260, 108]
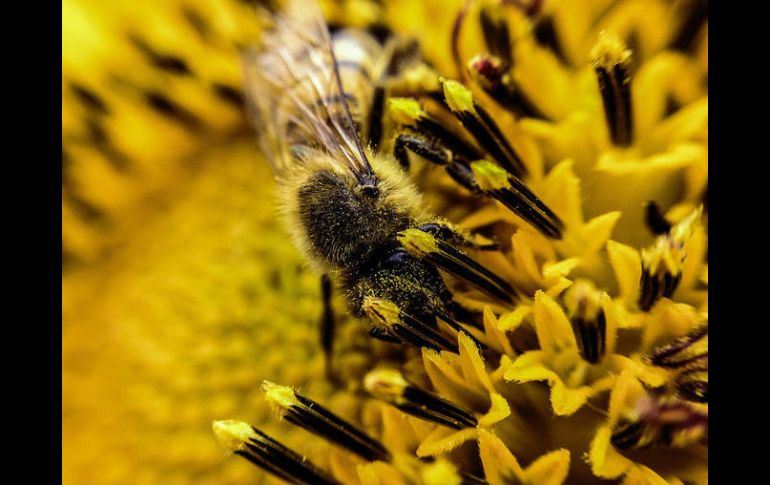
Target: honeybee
[352, 209]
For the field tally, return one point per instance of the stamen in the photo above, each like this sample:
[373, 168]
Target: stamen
[655, 219]
[423, 245]
[693, 14]
[583, 302]
[390, 386]
[693, 385]
[692, 349]
[662, 263]
[495, 79]
[496, 34]
[261, 450]
[517, 197]
[405, 327]
[661, 421]
[545, 35]
[310, 415]
[430, 151]
[457, 327]
[382, 334]
[612, 63]
[480, 124]
[409, 112]
[457, 26]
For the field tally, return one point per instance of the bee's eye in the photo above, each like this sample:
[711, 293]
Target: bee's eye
[370, 191]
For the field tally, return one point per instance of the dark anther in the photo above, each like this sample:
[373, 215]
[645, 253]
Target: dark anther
[390, 386]
[89, 98]
[167, 62]
[165, 106]
[685, 351]
[612, 64]
[496, 35]
[693, 14]
[268, 454]
[308, 414]
[229, 94]
[655, 219]
[545, 34]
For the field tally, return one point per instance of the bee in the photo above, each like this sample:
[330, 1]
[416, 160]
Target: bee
[352, 209]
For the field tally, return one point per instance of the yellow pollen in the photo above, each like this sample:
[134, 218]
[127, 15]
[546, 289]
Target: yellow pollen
[609, 50]
[490, 176]
[417, 243]
[458, 97]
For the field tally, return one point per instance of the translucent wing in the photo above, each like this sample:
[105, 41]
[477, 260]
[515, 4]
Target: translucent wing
[295, 95]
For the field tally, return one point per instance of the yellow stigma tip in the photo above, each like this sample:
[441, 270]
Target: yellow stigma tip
[232, 434]
[381, 311]
[405, 110]
[417, 243]
[458, 97]
[609, 50]
[490, 176]
[583, 300]
[387, 384]
[281, 397]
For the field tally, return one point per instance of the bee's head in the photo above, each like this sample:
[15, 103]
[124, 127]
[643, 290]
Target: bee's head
[369, 191]
[368, 185]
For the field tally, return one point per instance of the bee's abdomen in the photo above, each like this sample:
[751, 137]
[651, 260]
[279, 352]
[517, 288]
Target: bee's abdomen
[346, 228]
[414, 285]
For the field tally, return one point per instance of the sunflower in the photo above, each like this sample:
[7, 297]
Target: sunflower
[183, 304]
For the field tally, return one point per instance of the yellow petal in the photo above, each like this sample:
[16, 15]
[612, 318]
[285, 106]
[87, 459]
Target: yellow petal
[554, 331]
[695, 247]
[598, 230]
[611, 321]
[565, 400]
[440, 472]
[395, 430]
[500, 466]
[524, 256]
[379, 473]
[641, 475]
[443, 376]
[512, 320]
[559, 269]
[549, 469]
[343, 465]
[473, 364]
[443, 440]
[557, 288]
[627, 265]
[561, 191]
[529, 367]
[627, 392]
[605, 461]
[498, 411]
[497, 338]
[667, 321]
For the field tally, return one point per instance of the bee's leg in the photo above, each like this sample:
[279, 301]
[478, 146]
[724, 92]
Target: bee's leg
[469, 169]
[406, 298]
[424, 245]
[395, 323]
[327, 323]
[427, 149]
[447, 233]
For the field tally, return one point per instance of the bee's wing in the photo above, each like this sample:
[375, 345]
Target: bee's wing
[295, 95]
